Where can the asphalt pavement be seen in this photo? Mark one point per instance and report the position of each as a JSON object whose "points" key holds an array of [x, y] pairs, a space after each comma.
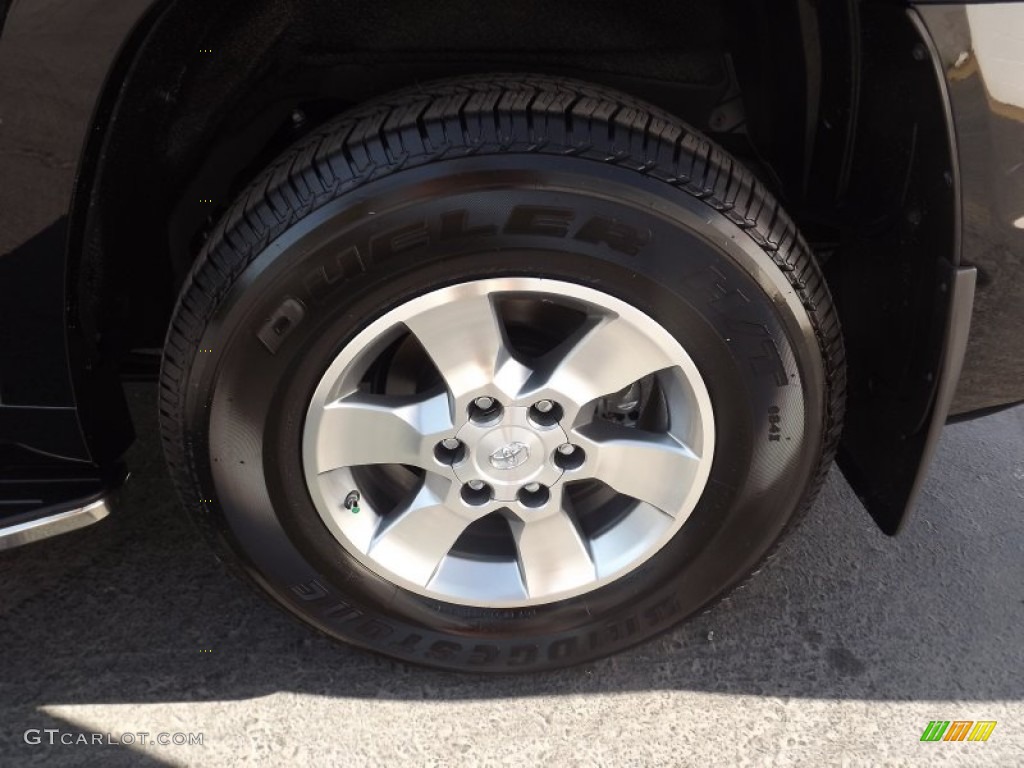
{"points": [[839, 652]]}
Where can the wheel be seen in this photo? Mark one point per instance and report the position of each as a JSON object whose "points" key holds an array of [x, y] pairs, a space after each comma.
{"points": [[501, 373]]}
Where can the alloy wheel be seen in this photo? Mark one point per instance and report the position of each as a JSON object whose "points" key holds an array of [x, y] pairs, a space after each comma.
{"points": [[508, 442]]}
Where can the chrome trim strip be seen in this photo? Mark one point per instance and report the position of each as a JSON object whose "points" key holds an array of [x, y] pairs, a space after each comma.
{"points": [[53, 525]]}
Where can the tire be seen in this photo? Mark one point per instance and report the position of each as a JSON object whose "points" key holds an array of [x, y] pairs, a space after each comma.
{"points": [[562, 203]]}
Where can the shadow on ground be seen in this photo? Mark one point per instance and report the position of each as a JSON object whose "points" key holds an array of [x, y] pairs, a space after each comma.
{"points": [[121, 612]]}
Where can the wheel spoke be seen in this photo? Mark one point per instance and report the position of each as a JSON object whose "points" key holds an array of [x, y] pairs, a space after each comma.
{"points": [[417, 538], [467, 343], [603, 357], [378, 429], [658, 469], [553, 555]]}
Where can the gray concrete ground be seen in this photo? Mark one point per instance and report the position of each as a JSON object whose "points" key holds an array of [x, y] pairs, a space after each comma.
{"points": [[838, 653]]}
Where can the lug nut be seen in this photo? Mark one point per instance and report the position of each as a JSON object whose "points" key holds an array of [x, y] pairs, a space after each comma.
{"points": [[476, 492], [450, 451], [534, 495], [545, 413], [485, 410], [569, 456]]}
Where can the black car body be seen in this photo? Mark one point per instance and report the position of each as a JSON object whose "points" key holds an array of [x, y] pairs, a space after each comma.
{"points": [[890, 131]]}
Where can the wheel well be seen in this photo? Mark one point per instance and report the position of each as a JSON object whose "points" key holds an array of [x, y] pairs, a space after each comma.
{"points": [[209, 95]]}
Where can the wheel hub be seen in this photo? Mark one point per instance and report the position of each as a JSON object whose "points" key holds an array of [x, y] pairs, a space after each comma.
{"points": [[510, 453]]}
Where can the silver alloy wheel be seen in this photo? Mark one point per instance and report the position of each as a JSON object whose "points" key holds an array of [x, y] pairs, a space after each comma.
{"points": [[512, 435]]}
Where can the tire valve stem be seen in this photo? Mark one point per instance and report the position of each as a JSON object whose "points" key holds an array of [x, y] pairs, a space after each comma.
{"points": [[352, 502]]}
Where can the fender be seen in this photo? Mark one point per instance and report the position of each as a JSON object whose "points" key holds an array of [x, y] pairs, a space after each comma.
{"points": [[62, 414]]}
